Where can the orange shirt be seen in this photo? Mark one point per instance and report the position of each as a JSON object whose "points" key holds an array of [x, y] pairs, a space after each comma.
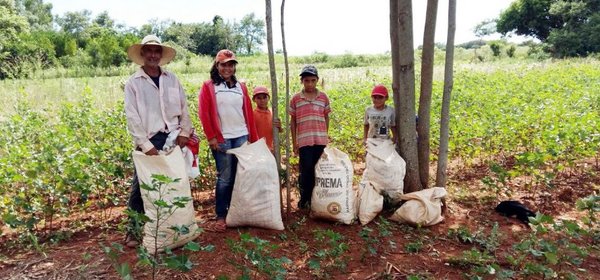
{"points": [[264, 125]]}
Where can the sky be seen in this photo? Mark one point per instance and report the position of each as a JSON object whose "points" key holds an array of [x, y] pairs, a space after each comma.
{"points": [[328, 26]]}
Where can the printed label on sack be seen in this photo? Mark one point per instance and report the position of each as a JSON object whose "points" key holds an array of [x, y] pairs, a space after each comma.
{"points": [[325, 193], [334, 208], [329, 182]]}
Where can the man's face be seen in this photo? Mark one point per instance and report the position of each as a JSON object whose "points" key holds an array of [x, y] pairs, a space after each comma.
{"points": [[152, 55]]}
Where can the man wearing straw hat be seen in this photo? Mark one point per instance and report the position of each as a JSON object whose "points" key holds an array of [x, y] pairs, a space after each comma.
{"points": [[155, 105]]}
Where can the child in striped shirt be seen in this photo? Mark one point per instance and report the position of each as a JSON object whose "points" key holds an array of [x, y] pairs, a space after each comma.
{"points": [[309, 110]]}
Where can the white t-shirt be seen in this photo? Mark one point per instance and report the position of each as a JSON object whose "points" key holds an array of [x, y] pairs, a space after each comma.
{"points": [[229, 108], [380, 122]]}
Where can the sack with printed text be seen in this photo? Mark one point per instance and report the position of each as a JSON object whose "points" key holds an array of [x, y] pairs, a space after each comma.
{"points": [[333, 197]]}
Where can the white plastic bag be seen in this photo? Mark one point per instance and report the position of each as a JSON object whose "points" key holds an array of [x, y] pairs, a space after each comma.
{"points": [[333, 196], [423, 208], [385, 168], [192, 166], [255, 200], [170, 142], [172, 165], [370, 202]]}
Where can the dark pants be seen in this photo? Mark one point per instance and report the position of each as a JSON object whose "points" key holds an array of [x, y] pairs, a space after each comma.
{"points": [[135, 202], [309, 156]]}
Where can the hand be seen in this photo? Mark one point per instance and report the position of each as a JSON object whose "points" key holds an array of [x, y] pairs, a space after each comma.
{"points": [[295, 150], [277, 124], [181, 141], [213, 144], [152, 152]]}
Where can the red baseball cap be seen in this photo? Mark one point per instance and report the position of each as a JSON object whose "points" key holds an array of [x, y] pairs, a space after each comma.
{"points": [[380, 90], [225, 56], [260, 90]]}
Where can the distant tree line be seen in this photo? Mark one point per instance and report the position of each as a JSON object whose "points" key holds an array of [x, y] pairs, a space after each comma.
{"points": [[31, 38]]}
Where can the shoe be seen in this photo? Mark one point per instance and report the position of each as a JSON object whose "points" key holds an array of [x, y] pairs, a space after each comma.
{"points": [[131, 241]]}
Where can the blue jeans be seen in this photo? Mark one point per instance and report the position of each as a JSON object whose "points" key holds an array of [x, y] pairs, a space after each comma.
{"points": [[226, 169]]}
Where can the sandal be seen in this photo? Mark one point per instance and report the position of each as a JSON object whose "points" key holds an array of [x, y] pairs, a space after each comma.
{"points": [[131, 241], [217, 226]]}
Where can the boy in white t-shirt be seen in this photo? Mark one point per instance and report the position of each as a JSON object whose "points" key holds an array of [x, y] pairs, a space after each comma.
{"points": [[380, 119]]}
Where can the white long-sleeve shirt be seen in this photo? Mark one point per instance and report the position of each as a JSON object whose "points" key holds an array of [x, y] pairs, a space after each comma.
{"points": [[151, 109]]}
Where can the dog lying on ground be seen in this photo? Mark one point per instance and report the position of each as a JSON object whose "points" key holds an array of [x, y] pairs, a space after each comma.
{"points": [[511, 208]]}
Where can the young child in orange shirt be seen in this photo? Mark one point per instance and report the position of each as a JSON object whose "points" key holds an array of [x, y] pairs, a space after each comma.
{"points": [[263, 117]]}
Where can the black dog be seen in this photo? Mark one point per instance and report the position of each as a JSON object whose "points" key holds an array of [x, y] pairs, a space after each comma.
{"points": [[511, 208]]}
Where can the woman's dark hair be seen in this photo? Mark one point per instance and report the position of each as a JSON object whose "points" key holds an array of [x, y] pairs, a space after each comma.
{"points": [[217, 79]]}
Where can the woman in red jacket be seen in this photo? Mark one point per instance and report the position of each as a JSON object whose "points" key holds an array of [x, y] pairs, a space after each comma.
{"points": [[225, 112]]}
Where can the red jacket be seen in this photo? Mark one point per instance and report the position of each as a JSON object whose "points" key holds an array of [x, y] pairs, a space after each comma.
{"points": [[207, 110]]}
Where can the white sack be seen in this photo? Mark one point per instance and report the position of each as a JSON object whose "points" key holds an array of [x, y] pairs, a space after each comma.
{"points": [[172, 165], [333, 196], [385, 168], [423, 208], [370, 202], [255, 200]]}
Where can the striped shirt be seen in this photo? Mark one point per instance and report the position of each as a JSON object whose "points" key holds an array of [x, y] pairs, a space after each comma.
{"points": [[311, 124]]}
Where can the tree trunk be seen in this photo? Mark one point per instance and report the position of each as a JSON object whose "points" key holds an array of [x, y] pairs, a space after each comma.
{"points": [[273, 74], [403, 86], [441, 175], [287, 115], [274, 99], [426, 86]]}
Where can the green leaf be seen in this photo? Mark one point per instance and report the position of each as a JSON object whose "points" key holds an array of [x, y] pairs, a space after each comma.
{"points": [[551, 257], [124, 271], [161, 203], [147, 187], [192, 246], [314, 264], [208, 248]]}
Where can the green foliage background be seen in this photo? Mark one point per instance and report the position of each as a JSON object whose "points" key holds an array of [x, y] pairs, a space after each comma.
{"points": [[65, 147]]}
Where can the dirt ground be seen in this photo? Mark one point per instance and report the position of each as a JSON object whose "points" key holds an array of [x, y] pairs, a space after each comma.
{"points": [[424, 252]]}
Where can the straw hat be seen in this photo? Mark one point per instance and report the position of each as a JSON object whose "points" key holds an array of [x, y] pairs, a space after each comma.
{"points": [[135, 51]]}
